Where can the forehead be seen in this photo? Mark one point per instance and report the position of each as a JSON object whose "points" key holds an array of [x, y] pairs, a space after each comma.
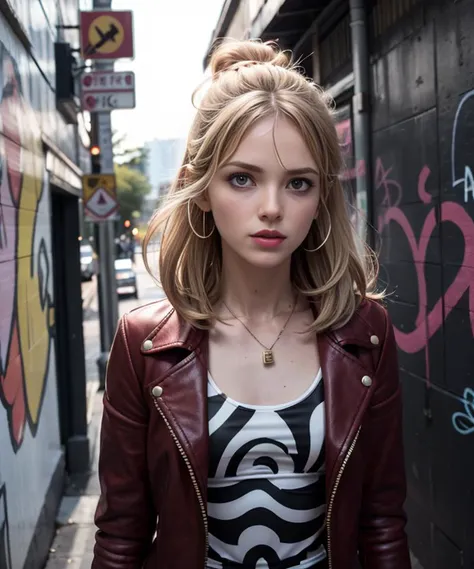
{"points": [[269, 139]]}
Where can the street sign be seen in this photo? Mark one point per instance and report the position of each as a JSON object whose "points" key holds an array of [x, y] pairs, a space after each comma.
{"points": [[108, 91], [106, 34], [100, 81], [111, 101], [99, 193]]}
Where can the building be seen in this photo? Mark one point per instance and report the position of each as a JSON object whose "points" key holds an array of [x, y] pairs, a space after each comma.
{"points": [[164, 159], [402, 76], [43, 428]]}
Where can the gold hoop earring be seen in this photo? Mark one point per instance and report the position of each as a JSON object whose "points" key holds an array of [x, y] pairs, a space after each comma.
{"points": [[203, 224], [326, 238]]}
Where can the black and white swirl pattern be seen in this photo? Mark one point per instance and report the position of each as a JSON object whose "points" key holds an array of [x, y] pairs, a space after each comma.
{"points": [[266, 489]]}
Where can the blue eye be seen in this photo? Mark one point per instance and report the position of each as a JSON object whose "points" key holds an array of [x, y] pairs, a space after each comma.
{"points": [[300, 184], [240, 180]]}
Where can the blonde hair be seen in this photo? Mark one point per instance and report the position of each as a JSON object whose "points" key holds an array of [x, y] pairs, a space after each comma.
{"points": [[252, 80]]}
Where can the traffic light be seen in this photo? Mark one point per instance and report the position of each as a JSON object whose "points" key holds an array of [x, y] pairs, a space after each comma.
{"points": [[95, 158], [127, 223]]}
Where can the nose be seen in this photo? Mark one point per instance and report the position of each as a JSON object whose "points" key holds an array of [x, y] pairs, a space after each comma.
{"points": [[271, 207]]}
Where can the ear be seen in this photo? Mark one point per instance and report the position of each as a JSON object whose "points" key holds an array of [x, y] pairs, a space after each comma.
{"points": [[203, 202]]}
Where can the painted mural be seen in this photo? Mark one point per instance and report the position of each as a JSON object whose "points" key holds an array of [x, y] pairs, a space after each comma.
{"points": [[29, 438], [26, 310]]}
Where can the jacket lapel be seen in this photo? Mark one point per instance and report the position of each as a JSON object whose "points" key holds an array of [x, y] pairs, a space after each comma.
{"points": [[184, 384], [346, 394]]}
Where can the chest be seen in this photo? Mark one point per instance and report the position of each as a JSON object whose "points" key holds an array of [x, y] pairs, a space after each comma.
{"points": [[237, 367], [273, 441]]}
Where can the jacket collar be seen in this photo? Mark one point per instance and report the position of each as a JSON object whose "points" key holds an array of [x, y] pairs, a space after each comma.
{"points": [[171, 332], [174, 332]]}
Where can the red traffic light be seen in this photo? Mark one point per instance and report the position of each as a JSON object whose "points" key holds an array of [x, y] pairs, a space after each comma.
{"points": [[127, 223], [95, 150]]}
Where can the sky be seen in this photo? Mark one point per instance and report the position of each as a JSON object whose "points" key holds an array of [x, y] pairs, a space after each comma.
{"points": [[171, 38]]}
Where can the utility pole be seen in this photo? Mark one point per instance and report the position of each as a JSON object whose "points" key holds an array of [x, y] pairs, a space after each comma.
{"points": [[104, 231], [361, 112]]}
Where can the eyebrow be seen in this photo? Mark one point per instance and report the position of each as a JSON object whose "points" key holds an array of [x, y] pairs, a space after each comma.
{"points": [[258, 170]]}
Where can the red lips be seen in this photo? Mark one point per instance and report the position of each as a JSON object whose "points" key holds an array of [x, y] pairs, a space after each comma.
{"points": [[269, 234]]}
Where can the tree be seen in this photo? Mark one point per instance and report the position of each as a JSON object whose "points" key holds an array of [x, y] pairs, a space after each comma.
{"points": [[135, 158], [132, 188]]}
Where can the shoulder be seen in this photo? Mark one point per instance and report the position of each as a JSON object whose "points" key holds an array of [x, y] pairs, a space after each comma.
{"points": [[373, 314], [368, 326], [148, 319], [157, 327]]}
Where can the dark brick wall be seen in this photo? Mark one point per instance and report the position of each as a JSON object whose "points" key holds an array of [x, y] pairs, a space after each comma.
{"points": [[423, 148]]}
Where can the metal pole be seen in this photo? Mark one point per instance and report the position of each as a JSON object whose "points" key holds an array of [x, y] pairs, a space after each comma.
{"points": [[108, 301], [361, 112]]}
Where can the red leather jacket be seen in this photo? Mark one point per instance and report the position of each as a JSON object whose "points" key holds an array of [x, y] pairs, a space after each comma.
{"points": [[154, 445]]}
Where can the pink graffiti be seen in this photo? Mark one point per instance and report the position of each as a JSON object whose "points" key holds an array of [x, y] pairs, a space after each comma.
{"points": [[382, 181], [428, 323]]}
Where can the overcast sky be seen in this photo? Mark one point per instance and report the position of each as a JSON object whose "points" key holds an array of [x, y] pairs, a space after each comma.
{"points": [[171, 38]]}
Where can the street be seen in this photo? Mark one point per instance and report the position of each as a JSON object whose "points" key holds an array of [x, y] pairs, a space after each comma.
{"points": [[148, 291]]}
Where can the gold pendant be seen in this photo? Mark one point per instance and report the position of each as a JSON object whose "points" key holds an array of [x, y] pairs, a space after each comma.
{"points": [[268, 358]]}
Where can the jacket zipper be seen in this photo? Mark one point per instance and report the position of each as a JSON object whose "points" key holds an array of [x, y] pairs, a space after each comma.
{"points": [[187, 462], [333, 495]]}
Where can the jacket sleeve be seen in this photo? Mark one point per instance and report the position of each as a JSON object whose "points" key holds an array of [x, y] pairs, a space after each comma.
{"points": [[382, 537], [125, 517]]}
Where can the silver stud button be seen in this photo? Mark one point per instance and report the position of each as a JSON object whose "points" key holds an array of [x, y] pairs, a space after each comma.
{"points": [[375, 340], [147, 345], [367, 381], [157, 391]]}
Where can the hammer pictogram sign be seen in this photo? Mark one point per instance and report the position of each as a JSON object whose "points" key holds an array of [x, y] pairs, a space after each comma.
{"points": [[110, 35], [106, 34]]}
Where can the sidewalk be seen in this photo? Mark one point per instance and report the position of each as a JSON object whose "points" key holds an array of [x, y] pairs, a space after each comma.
{"points": [[74, 542]]}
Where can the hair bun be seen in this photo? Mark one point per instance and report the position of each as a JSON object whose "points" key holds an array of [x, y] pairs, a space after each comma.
{"points": [[235, 54]]}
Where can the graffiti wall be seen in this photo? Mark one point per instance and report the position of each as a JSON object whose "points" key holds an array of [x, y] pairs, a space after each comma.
{"points": [[424, 204], [29, 433]]}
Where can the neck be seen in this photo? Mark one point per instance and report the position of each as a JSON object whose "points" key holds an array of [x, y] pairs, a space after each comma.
{"points": [[256, 293]]}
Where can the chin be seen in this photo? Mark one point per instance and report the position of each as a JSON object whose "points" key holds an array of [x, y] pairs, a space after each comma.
{"points": [[267, 260]]}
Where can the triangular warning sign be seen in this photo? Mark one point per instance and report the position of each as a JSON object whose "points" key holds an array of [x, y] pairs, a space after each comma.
{"points": [[101, 203]]}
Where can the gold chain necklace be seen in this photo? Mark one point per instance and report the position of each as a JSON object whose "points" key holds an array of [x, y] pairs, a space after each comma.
{"points": [[267, 355]]}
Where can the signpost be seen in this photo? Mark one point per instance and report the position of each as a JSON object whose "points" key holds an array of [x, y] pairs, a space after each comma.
{"points": [[106, 34], [104, 137]]}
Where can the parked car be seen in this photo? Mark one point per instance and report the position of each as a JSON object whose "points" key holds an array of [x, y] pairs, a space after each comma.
{"points": [[87, 262], [126, 278]]}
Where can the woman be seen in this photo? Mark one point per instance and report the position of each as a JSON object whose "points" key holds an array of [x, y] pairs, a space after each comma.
{"points": [[252, 419]]}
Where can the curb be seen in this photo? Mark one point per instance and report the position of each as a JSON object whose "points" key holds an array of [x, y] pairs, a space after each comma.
{"points": [[92, 389], [87, 300]]}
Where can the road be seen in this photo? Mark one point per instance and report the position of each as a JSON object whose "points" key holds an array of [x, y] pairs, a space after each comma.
{"points": [[148, 291]]}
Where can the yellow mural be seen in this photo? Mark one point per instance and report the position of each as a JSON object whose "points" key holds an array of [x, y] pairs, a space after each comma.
{"points": [[26, 310]]}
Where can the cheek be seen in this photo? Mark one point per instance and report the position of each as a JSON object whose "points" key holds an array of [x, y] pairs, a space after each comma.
{"points": [[228, 208], [303, 218]]}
